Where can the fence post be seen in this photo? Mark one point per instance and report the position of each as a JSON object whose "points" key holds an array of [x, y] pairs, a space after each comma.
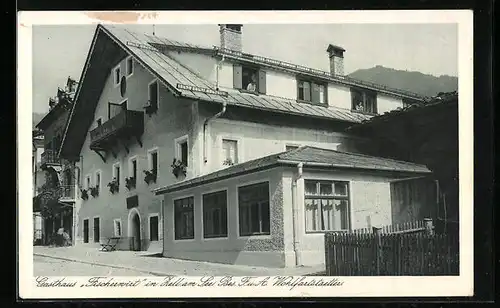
{"points": [[378, 248], [429, 228]]}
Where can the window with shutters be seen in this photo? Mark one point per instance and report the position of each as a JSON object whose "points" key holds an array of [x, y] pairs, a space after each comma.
{"points": [[229, 152], [184, 218], [249, 79], [117, 227], [364, 101], [130, 66], [311, 91], [326, 205], [215, 214], [116, 75]]}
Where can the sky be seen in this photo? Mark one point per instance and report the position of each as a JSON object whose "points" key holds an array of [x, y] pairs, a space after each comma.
{"points": [[60, 51]]}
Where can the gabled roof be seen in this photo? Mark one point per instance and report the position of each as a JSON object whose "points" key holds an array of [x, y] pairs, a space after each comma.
{"points": [[309, 157], [112, 41]]}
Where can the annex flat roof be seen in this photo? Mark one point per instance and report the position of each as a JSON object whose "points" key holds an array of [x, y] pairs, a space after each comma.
{"points": [[309, 157]]}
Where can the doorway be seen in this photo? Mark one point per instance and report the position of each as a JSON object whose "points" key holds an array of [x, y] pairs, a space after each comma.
{"points": [[134, 229]]}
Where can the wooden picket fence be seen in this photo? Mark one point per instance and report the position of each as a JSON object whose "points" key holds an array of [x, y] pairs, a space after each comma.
{"points": [[392, 251]]}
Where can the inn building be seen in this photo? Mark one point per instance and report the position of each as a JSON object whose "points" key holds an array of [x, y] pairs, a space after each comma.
{"points": [[214, 154]]}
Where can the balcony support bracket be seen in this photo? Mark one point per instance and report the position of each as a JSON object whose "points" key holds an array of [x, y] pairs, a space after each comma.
{"points": [[113, 152], [103, 157], [126, 148]]}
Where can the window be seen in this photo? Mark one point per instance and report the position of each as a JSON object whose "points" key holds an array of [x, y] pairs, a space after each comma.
{"points": [[98, 180], [253, 201], [230, 152], [215, 214], [311, 91], [154, 228], [130, 66], [88, 182], [117, 227], [182, 150], [116, 173], [133, 168], [364, 101], [117, 75], [184, 218], [153, 161], [153, 94], [251, 79], [326, 205], [97, 230], [85, 230]]}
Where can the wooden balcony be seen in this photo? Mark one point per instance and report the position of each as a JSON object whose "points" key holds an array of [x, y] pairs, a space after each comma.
{"points": [[122, 127], [50, 157]]}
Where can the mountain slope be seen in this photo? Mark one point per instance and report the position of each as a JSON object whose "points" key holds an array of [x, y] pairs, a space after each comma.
{"points": [[417, 82]]}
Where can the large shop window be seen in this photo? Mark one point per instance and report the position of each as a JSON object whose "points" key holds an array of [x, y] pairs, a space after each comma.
{"points": [[184, 218], [215, 214], [254, 218], [326, 205]]}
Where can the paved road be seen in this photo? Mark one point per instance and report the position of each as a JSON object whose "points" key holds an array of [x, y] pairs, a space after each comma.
{"points": [[43, 266]]}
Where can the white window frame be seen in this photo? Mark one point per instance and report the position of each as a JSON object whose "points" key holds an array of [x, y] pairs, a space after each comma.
{"points": [[113, 171], [157, 92], [149, 226], [100, 179], [115, 229], [130, 166], [116, 84], [178, 151], [150, 160], [100, 229], [126, 66], [88, 183], [263, 236], [239, 148], [350, 211]]}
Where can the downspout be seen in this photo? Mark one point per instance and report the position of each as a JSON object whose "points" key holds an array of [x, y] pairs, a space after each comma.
{"points": [[295, 215], [205, 124]]}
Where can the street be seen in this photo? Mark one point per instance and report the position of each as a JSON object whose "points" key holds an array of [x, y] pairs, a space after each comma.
{"points": [[43, 266]]}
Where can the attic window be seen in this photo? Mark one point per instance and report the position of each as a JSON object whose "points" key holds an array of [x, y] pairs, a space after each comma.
{"points": [[234, 27], [310, 91], [249, 79], [364, 101]]}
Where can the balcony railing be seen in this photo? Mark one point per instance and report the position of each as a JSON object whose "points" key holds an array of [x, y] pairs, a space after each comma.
{"points": [[50, 157], [126, 123], [67, 192]]}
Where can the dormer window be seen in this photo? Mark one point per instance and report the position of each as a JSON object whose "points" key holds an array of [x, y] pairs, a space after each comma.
{"points": [[311, 91], [249, 79], [364, 101]]}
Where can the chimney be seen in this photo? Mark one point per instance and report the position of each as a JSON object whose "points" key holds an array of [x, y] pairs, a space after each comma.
{"points": [[230, 36], [336, 55]]}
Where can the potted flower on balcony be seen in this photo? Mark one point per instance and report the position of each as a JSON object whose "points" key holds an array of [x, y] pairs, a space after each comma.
{"points": [[178, 168], [130, 182], [84, 194], [94, 191], [150, 176], [228, 162], [113, 186]]}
